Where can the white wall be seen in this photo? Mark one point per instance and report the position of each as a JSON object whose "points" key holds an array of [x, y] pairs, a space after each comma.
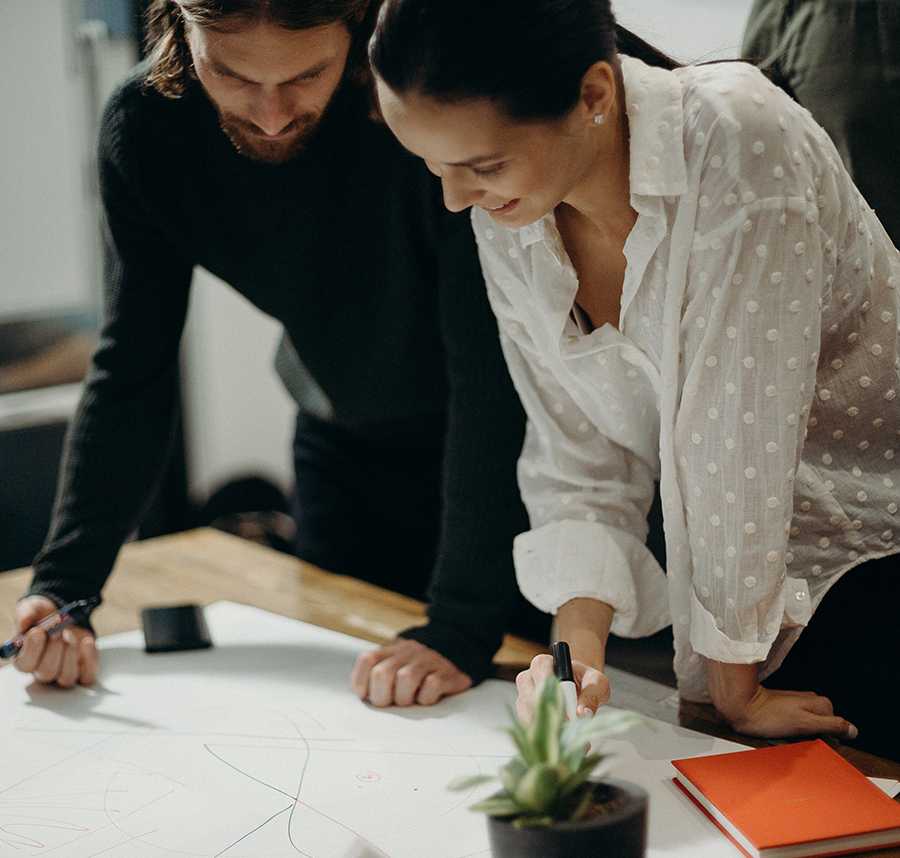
{"points": [[47, 224], [238, 417]]}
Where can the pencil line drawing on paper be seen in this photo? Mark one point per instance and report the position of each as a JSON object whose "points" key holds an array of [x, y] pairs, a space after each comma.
{"points": [[174, 759]]}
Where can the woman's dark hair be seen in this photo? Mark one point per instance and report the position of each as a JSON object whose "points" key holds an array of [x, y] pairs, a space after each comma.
{"points": [[169, 56], [528, 56]]}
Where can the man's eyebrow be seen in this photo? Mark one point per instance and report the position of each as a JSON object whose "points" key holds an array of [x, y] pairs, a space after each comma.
{"points": [[480, 159], [221, 68]]}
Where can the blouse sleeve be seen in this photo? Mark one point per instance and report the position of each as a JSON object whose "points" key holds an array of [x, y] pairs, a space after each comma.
{"points": [[750, 333], [587, 497]]}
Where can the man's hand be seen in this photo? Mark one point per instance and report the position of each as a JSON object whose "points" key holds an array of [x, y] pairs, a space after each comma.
{"points": [[591, 682], [406, 672], [68, 658], [756, 711]]}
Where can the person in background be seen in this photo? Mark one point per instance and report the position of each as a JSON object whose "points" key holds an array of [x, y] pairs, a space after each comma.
{"points": [[841, 60], [246, 144], [689, 288]]}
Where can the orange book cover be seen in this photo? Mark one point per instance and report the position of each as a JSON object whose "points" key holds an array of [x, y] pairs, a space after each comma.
{"points": [[791, 800]]}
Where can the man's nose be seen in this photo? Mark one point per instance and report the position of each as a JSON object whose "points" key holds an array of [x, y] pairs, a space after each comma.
{"points": [[273, 112]]}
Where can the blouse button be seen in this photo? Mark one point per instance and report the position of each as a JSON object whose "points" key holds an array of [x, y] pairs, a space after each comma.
{"points": [[772, 557], [772, 335], [731, 551], [792, 420], [806, 506], [772, 503], [862, 497], [794, 306], [749, 362], [749, 582], [750, 472], [729, 443], [731, 332], [489, 233], [752, 306], [886, 316], [793, 363], [892, 508], [771, 447], [865, 381], [799, 595], [715, 521], [712, 361], [730, 497], [759, 147], [697, 438], [827, 459], [712, 467], [817, 570], [513, 253], [762, 251], [877, 350], [837, 363], [730, 199], [749, 417], [799, 248], [824, 542], [778, 172], [776, 278]]}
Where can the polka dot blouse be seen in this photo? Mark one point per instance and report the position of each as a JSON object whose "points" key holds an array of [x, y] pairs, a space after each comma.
{"points": [[754, 374]]}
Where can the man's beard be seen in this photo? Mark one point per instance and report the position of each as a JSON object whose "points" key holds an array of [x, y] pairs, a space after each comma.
{"points": [[247, 139]]}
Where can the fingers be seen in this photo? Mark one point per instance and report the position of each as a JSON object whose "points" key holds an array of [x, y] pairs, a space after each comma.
{"points": [[49, 666], [88, 660], [69, 667], [440, 685], [541, 667], [32, 610], [525, 699], [32, 651], [359, 678], [594, 692], [406, 673]]}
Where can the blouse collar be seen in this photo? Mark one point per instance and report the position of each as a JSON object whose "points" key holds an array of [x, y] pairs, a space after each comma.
{"points": [[657, 169]]}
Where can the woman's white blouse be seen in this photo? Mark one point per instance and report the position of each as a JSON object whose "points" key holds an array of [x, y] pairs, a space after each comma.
{"points": [[754, 373]]}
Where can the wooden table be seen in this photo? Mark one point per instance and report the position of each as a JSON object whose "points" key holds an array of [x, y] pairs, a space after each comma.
{"points": [[207, 566]]}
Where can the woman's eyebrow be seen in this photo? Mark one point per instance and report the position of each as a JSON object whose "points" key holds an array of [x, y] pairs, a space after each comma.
{"points": [[480, 159]]}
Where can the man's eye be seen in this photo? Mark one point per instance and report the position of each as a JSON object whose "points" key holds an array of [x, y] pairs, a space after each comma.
{"points": [[488, 171]]}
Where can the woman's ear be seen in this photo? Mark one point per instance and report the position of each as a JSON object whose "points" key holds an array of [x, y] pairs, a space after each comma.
{"points": [[598, 92]]}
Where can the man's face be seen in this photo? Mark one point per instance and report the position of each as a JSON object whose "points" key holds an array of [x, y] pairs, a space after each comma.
{"points": [[270, 85]]}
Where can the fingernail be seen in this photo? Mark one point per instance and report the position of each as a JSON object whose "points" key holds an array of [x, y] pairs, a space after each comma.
{"points": [[852, 732]]}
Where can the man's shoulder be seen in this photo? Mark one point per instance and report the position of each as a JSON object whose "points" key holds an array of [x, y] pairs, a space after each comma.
{"points": [[138, 120]]}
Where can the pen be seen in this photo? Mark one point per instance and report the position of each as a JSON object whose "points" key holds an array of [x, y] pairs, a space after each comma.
{"points": [[562, 667], [52, 624]]}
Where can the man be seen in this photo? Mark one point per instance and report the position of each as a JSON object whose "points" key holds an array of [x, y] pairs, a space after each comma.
{"points": [[247, 145], [841, 60]]}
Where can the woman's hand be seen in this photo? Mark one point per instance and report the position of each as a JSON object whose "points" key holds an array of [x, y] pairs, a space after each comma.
{"points": [[590, 682], [756, 711]]}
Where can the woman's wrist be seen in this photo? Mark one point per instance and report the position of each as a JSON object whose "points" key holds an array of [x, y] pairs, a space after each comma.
{"points": [[584, 624], [732, 686]]}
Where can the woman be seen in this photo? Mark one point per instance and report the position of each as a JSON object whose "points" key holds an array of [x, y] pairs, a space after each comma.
{"points": [[689, 289]]}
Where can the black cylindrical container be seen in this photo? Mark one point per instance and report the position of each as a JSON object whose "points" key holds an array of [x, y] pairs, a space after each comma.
{"points": [[621, 833]]}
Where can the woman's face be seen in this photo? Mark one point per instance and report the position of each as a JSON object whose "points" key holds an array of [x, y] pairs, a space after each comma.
{"points": [[515, 171]]}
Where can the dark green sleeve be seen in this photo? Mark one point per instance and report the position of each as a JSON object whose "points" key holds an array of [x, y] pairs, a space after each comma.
{"points": [[474, 588], [118, 442]]}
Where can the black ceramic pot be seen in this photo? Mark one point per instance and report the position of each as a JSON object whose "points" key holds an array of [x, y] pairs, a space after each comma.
{"points": [[619, 834]]}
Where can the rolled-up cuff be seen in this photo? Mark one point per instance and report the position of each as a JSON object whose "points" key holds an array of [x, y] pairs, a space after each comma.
{"points": [[708, 640], [568, 560]]}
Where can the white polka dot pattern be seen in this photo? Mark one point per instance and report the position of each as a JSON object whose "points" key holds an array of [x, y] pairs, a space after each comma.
{"points": [[755, 374]]}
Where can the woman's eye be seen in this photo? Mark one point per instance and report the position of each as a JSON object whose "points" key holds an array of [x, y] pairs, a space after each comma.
{"points": [[488, 171]]}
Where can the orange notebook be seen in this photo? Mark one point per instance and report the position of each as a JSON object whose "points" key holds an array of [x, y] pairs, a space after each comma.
{"points": [[788, 801]]}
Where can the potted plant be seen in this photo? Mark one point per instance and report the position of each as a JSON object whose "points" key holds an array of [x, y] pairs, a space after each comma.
{"points": [[548, 806]]}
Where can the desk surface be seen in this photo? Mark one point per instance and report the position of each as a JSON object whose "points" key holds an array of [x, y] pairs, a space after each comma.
{"points": [[207, 565]]}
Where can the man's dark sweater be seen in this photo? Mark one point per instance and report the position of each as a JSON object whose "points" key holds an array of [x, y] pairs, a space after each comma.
{"points": [[379, 290]]}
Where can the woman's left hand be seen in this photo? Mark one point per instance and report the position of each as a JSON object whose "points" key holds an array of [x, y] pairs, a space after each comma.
{"points": [[756, 711]]}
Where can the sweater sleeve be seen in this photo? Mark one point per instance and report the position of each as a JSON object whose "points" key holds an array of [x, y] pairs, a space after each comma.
{"points": [[474, 589], [118, 442]]}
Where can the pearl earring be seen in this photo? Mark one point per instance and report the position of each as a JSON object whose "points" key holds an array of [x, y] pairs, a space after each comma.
{"points": [[599, 119]]}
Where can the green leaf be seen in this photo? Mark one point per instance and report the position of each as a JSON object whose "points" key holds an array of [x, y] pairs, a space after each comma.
{"points": [[583, 806], [538, 789], [499, 804], [606, 722], [523, 745], [468, 781], [512, 773], [577, 778], [544, 733]]}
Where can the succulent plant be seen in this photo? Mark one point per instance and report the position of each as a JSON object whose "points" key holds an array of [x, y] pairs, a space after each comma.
{"points": [[548, 780]]}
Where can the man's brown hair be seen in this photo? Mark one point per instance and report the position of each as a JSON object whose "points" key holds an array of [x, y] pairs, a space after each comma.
{"points": [[171, 68]]}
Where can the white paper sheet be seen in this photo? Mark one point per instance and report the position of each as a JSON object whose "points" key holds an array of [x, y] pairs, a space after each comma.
{"points": [[257, 749]]}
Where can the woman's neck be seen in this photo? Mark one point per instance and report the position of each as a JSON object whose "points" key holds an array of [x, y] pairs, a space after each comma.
{"points": [[603, 195]]}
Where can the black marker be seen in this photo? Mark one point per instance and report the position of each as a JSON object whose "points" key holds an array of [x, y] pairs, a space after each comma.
{"points": [[562, 667], [53, 624]]}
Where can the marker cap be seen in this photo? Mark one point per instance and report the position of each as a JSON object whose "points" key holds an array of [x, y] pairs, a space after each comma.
{"points": [[562, 662]]}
